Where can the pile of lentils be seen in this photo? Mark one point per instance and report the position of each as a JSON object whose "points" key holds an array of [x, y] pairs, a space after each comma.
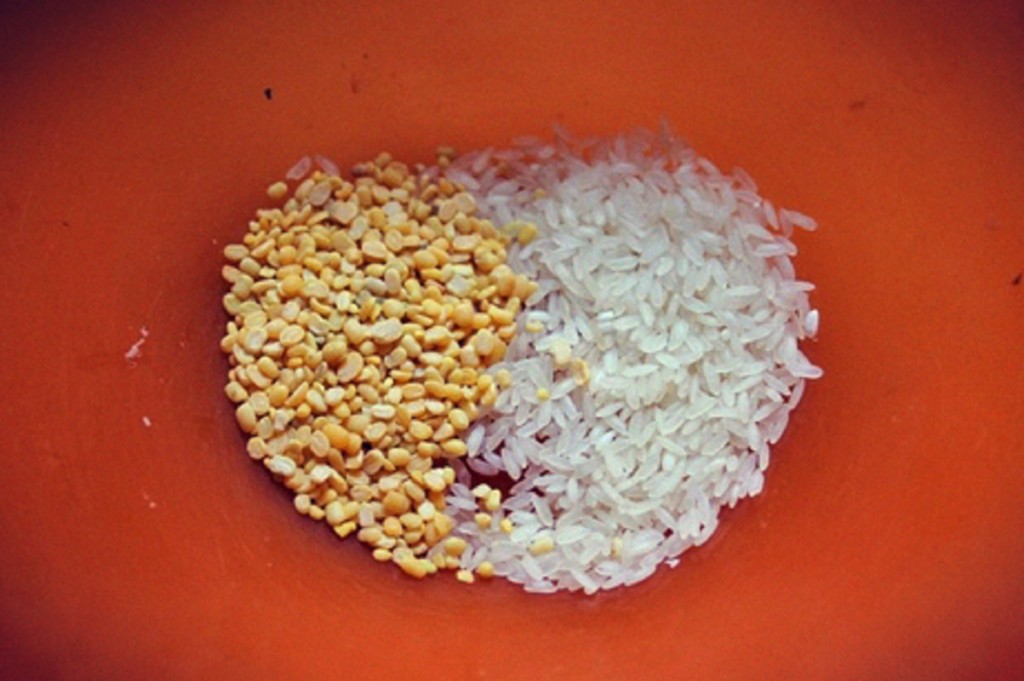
{"points": [[364, 315]]}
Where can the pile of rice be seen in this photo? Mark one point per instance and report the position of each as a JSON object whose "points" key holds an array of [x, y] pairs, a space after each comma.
{"points": [[673, 282]]}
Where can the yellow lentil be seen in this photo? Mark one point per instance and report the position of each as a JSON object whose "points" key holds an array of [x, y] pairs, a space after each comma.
{"points": [[364, 315], [455, 546], [541, 545], [277, 190], [580, 371], [526, 233], [415, 567]]}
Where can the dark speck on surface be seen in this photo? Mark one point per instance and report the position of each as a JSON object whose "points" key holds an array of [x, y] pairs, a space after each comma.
{"points": [[1016, 280], [366, 55], [857, 104], [268, 93], [354, 85]]}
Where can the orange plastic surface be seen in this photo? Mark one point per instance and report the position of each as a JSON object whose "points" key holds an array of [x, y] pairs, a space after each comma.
{"points": [[136, 140]]}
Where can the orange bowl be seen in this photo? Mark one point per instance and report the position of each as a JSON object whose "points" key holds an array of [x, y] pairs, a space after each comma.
{"points": [[137, 140]]}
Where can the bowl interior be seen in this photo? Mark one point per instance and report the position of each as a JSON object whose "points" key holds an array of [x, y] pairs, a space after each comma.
{"points": [[137, 142]]}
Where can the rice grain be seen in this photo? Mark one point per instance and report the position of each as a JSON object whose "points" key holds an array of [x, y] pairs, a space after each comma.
{"points": [[671, 282]]}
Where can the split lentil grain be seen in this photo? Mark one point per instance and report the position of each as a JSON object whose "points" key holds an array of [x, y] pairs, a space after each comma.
{"points": [[541, 545], [364, 314]]}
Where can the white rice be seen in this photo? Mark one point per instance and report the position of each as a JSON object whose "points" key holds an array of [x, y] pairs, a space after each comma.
{"points": [[673, 282], [300, 169]]}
